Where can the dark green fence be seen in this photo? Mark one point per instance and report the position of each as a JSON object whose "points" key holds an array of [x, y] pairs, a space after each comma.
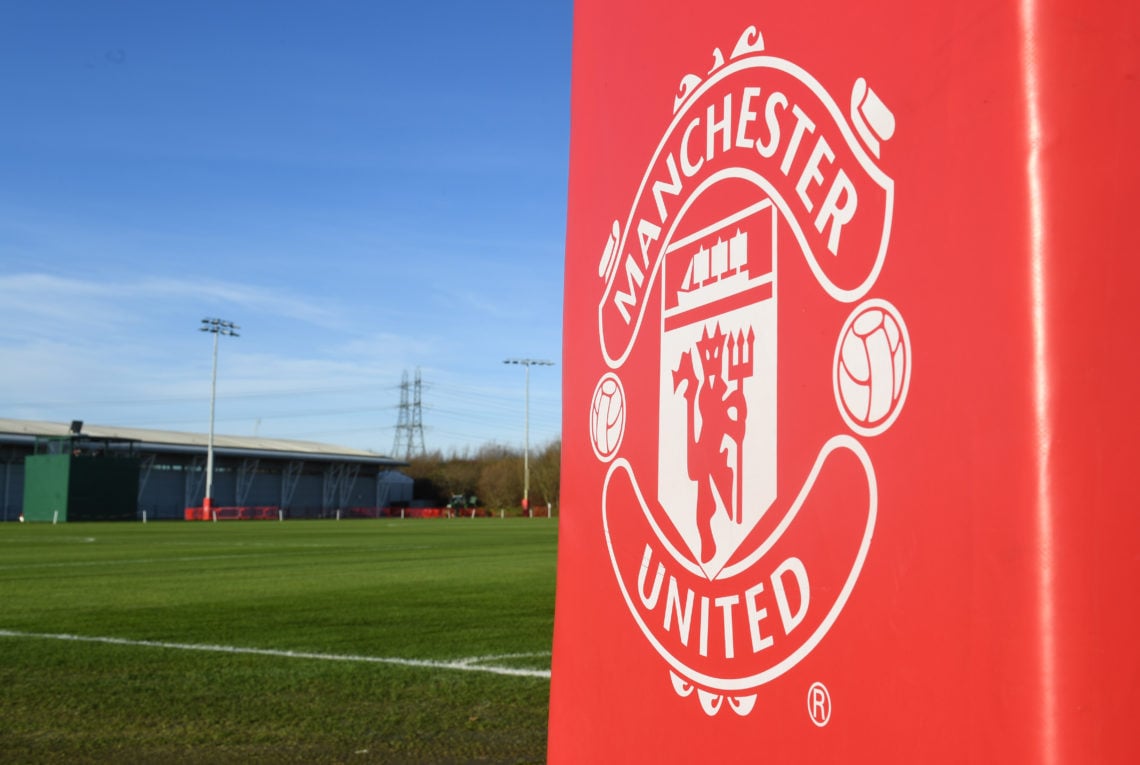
{"points": [[80, 487]]}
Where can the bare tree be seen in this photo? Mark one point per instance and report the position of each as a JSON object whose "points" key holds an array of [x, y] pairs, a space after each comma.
{"points": [[501, 481], [545, 472]]}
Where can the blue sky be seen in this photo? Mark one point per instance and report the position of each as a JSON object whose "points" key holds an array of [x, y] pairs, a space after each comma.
{"points": [[366, 188]]}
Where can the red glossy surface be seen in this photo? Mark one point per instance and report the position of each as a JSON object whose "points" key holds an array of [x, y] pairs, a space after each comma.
{"points": [[992, 617]]}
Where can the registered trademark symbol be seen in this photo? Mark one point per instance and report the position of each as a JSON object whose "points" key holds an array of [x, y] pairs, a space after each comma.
{"points": [[819, 704]]}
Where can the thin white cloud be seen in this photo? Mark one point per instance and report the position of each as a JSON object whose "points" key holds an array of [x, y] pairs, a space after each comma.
{"points": [[254, 299], [30, 299]]}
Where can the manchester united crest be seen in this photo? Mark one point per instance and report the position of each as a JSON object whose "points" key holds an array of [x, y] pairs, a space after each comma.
{"points": [[749, 362]]}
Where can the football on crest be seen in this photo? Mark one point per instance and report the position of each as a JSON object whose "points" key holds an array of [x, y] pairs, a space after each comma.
{"points": [[872, 367], [607, 417]]}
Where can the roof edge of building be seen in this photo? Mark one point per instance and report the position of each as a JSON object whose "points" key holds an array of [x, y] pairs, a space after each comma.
{"points": [[13, 431]]}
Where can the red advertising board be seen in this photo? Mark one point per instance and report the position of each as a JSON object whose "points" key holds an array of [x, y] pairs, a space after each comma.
{"points": [[850, 389]]}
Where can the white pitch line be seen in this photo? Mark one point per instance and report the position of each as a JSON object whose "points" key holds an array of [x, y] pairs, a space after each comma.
{"points": [[464, 665], [500, 656]]}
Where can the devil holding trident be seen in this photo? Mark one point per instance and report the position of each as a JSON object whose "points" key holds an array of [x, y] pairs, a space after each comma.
{"points": [[719, 395]]}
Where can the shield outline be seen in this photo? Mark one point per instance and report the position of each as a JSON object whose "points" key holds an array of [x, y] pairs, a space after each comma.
{"points": [[750, 308]]}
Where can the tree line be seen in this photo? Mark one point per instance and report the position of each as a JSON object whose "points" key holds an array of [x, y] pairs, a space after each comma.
{"points": [[491, 477]]}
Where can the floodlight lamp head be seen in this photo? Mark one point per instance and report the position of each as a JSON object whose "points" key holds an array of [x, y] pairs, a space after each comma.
{"points": [[219, 327]]}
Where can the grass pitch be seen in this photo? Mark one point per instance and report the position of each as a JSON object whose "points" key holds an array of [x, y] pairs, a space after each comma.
{"points": [[461, 601]]}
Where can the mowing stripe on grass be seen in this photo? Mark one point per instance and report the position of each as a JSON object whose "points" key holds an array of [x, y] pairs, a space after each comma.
{"points": [[126, 561], [470, 664], [181, 559]]}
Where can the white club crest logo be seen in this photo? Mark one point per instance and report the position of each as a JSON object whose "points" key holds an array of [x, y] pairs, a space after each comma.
{"points": [[746, 367]]}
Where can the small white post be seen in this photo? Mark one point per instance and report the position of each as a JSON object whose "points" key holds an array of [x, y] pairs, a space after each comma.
{"points": [[529, 513], [401, 513], [502, 514], [54, 517], [280, 515], [144, 516], [215, 514], [338, 514], [472, 513]]}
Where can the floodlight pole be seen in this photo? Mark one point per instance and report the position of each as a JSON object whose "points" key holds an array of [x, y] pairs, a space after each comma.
{"points": [[216, 327], [528, 363]]}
